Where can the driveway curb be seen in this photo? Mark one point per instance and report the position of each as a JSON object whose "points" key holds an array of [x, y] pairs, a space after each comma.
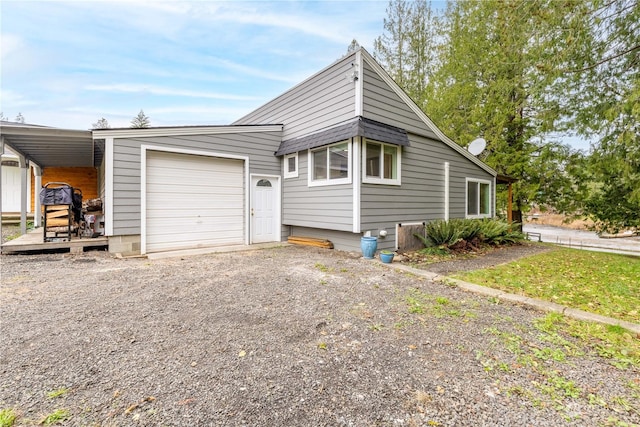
{"points": [[538, 304]]}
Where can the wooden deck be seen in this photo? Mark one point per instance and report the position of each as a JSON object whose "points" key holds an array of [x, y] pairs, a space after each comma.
{"points": [[33, 242]]}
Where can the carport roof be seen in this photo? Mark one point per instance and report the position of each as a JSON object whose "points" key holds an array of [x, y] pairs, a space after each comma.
{"points": [[52, 147]]}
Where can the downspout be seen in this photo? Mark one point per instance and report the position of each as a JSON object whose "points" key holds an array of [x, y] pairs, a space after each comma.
{"points": [[446, 191]]}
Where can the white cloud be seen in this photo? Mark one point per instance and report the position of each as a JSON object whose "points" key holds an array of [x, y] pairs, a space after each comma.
{"points": [[14, 100], [10, 43]]}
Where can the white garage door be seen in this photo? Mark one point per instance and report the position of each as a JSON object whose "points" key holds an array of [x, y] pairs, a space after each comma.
{"points": [[193, 201]]}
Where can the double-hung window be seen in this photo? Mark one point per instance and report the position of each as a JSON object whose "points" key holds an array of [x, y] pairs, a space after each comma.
{"points": [[381, 163], [330, 164], [478, 198]]}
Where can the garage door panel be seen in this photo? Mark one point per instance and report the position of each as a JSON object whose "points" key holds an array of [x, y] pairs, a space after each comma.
{"points": [[193, 201], [177, 237], [198, 179], [179, 203], [168, 222]]}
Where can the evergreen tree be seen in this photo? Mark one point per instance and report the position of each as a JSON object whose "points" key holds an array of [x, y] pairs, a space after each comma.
{"points": [[140, 121], [522, 75], [353, 46], [101, 124], [407, 49], [391, 47]]}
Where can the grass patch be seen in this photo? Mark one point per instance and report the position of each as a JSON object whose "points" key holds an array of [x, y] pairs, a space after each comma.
{"points": [[597, 282], [419, 302], [57, 416], [57, 393], [7, 417]]}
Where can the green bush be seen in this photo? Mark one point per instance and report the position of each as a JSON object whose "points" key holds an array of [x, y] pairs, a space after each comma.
{"points": [[477, 231], [441, 233], [498, 232]]}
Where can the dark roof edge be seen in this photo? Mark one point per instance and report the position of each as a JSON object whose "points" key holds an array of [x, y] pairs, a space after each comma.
{"points": [[358, 126]]}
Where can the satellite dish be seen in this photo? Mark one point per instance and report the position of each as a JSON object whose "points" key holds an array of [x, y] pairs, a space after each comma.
{"points": [[477, 146]]}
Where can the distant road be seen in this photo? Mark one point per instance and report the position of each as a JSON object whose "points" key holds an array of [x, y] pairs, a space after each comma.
{"points": [[580, 239]]}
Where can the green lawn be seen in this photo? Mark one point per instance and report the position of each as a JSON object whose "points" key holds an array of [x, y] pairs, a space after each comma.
{"points": [[598, 282]]}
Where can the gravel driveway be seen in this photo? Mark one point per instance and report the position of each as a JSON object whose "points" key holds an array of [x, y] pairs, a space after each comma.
{"points": [[291, 336]]}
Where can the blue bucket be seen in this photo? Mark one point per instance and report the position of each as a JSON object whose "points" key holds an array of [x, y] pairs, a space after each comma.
{"points": [[368, 246]]}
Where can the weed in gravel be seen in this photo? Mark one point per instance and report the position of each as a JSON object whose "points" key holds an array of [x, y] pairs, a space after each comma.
{"points": [[419, 302], [376, 327], [494, 300], [511, 341], [7, 417], [613, 421], [558, 387], [57, 393], [634, 386], [57, 416], [320, 266], [610, 342]]}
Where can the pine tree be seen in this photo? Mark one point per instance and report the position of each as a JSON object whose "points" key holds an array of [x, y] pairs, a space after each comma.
{"points": [[140, 121], [353, 46], [407, 49], [101, 124]]}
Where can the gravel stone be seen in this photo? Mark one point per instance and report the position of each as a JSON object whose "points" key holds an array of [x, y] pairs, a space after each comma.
{"points": [[292, 336]]}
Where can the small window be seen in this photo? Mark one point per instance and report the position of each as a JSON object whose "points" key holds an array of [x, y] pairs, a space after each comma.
{"points": [[381, 163], [478, 198], [330, 165], [263, 183], [291, 165]]}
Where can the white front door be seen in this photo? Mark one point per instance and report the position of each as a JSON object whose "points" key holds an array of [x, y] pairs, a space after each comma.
{"points": [[265, 207]]}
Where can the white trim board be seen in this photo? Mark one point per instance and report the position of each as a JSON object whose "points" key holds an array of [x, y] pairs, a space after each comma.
{"points": [[182, 131]]}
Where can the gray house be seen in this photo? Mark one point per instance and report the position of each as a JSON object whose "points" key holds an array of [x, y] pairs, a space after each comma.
{"points": [[343, 154]]}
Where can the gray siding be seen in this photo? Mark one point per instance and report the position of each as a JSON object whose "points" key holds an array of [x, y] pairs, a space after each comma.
{"points": [[258, 146], [382, 104], [323, 100], [421, 195], [329, 207]]}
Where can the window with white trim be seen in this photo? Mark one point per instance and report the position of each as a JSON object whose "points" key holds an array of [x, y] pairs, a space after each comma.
{"points": [[329, 165], [291, 165], [381, 163], [478, 198]]}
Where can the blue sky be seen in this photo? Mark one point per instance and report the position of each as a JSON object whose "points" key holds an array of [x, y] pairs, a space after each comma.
{"points": [[67, 64]]}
